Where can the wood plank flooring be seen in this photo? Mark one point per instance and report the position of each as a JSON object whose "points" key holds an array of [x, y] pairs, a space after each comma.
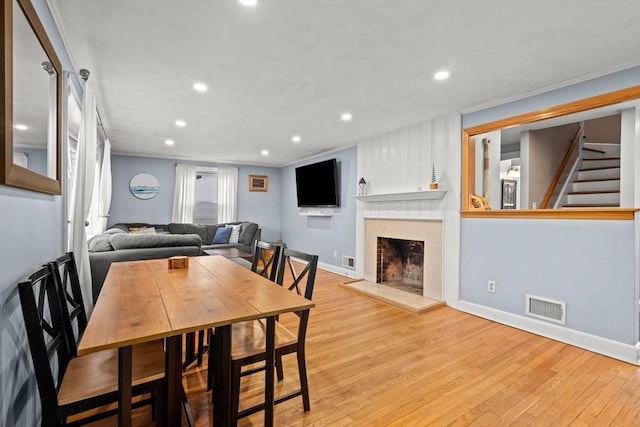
{"points": [[372, 364]]}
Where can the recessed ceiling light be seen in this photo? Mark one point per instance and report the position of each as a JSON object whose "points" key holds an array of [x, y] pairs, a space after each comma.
{"points": [[346, 117], [20, 127], [169, 142], [248, 2], [296, 138], [200, 87], [265, 152], [441, 75], [181, 123]]}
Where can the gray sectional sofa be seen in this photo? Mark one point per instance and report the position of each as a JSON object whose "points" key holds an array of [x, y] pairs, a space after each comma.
{"points": [[138, 241]]}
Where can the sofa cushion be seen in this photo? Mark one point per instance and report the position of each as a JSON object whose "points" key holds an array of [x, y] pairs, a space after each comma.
{"points": [[132, 241], [222, 235], [247, 232], [205, 231], [100, 243]]}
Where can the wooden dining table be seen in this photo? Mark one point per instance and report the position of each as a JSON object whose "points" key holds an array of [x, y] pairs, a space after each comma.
{"points": [[141, 301]]}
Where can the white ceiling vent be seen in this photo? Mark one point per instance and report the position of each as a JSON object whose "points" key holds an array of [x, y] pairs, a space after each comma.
{"points": [[546, 308]]}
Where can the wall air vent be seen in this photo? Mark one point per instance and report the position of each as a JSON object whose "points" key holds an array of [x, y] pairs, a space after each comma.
{"points": [[348, 261], [546, 308]]}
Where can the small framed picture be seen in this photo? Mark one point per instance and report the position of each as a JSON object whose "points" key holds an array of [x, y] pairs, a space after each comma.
{"points": [[258, 182], [509, 193]]}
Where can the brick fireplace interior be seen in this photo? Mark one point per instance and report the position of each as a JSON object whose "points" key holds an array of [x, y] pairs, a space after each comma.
{"points": [[400, 264]]}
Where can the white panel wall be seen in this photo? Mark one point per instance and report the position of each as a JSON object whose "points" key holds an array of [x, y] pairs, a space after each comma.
{"points": [[401, 161]]}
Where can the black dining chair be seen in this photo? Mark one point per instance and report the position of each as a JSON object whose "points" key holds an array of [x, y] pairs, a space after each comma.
{"points": [[68, 384], [296, 271], [72, 305], [265, 262], [266, 257]]}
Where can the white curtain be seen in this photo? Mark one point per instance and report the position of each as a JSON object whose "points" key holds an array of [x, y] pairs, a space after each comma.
{"points": [[52, 140], [184, 196], [105, 187], [81, 192], [227, 195]]}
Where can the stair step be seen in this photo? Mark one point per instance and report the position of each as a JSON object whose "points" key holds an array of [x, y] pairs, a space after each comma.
{"points": [[599, 173], [590, 185], [592, 150], [595, 192], [592, 205], [602, 162], [594, 197]]}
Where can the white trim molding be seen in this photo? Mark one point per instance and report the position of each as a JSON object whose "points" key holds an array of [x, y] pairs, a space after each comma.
{"points": [[625, 352]]}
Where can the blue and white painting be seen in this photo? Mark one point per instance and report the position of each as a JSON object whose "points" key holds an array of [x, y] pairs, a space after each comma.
{"points": [[144, 186]]}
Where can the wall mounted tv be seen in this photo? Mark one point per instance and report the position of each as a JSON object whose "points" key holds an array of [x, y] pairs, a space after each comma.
{"points": [[317, 185]]}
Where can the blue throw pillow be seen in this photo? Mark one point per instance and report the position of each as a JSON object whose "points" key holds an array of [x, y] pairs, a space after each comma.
{"points": [[222, 235]]}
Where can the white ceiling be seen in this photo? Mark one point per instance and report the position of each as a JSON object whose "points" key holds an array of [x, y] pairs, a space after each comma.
{"points": [[291, 67]]}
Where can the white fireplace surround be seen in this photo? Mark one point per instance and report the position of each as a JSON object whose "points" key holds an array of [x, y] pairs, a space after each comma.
{"points": [[428, 231]]}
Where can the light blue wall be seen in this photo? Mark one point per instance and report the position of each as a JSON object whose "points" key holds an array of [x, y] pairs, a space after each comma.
{"points": [[322, 235], [609, 83], [590, 264], [31, 233], [37, 159], [260, 207]]}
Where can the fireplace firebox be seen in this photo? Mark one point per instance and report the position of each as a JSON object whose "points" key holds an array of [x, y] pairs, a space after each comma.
{"points": [[400, 264]]}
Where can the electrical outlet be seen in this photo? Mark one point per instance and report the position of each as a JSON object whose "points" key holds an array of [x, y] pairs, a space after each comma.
{"points": [[491, 286], [335, 253]]}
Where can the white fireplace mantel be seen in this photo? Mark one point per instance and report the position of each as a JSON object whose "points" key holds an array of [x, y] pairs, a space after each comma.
{"points": [[409, 195]]}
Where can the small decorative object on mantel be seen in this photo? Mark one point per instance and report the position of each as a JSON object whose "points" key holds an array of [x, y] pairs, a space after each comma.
{"points": [[177, 262], [434, 184], [362, 184]]}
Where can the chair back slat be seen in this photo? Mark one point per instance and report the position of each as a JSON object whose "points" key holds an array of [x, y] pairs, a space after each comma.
{"points": [[74, 315], [266, 259], [308, 272], [46, 334]]}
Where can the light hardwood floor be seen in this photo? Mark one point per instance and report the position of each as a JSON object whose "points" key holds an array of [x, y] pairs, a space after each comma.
{"points": [[371, 364]]}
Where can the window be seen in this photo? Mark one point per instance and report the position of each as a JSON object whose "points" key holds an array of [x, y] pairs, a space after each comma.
{"points": [[206, 204]]}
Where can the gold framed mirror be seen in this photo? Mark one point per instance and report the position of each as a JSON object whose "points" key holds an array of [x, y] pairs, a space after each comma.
{"points": [[31, 102]]}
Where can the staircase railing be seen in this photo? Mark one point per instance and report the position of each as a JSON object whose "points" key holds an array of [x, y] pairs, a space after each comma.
{"points": [[570, 158]]}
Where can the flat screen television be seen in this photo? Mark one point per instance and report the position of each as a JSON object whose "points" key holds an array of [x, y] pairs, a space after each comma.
{"points": [[317, 185]]}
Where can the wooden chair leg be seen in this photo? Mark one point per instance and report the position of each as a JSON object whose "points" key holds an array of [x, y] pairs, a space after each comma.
{"points": [[159, 405], [210, 362], [304, 385], [201, 346], [236, 372], [279, 369]]}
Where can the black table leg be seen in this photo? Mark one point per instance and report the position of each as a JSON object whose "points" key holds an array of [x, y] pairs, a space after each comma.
{"points": [[269, 374], [173, 372], [124, 385], [222, 376]]}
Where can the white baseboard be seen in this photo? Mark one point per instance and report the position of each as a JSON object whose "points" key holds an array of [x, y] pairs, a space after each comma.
{"points": [[617, 350], [338, 270]]}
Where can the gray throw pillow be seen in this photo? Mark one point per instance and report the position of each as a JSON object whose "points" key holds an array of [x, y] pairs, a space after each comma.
{"points": [[247, 232]]}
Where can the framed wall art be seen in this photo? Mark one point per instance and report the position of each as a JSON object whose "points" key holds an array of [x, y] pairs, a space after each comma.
{"points": [[144, 186], [509, 193], [258, 183]]}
